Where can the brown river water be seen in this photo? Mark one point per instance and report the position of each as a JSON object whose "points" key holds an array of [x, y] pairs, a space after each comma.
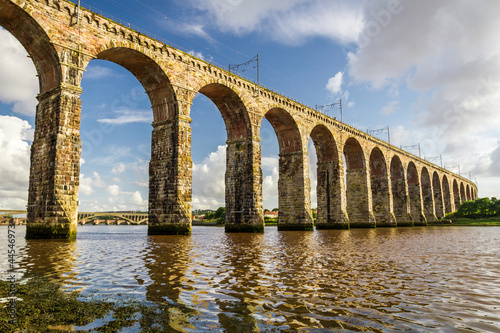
{"points": [[421, 279]]}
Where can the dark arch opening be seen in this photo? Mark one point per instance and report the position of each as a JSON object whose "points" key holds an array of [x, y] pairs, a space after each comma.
{"points": [[456, 194], [358, 207], [328, 189], [381, 200], [438, 195], [427, 195], [446, 195], [399, 193], [467, 191], [414, 192], [462, 192]]}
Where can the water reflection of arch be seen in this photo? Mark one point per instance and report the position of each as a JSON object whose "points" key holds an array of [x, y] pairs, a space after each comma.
{"points": [[242, 274], [52, 260], [167, 261]]}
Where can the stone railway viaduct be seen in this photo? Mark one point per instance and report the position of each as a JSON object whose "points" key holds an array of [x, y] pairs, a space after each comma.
{"points": [[378, 185]]}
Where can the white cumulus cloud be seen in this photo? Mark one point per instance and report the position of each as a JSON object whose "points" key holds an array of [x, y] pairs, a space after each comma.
{"points": [[15, 165], [334, 84], [18, 81], [209, 180], [287, 21]]}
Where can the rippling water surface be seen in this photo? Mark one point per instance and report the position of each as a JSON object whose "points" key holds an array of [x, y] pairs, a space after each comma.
{"points": [[424, 279]]}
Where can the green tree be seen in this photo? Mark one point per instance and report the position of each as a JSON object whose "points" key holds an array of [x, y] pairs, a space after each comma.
{"points": [[220, 213]]}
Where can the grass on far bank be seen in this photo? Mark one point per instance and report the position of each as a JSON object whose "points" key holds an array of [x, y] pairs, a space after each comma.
{"points": [[492, 221]]}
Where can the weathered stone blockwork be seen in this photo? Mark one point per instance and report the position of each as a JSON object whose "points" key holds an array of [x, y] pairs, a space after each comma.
{"points": [[362, 181]]}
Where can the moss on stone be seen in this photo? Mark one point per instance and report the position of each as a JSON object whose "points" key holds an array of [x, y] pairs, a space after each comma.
{"points": [[246, 228], [296, 227], [169, 229], [50, 231]]}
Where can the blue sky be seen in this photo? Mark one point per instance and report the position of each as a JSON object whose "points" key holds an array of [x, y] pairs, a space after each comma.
{"points": [[429, 70]]}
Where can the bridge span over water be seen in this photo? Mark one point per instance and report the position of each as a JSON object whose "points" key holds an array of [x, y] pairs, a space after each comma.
{"points": [[380, 185], [87, 217]]}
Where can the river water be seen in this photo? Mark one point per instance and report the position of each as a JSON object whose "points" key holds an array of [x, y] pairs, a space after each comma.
{"points": [[421, 279]]}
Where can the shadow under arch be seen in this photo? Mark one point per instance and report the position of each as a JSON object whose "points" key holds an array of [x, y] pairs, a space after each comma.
{"points": [[381, 194], [427, 196], [331, 211], [357, 192], [447, 200], [467, 192], [294, 201], [462, 193], [415, 194], [243, 190], [400, 193], [456, 194], [438, 196]]}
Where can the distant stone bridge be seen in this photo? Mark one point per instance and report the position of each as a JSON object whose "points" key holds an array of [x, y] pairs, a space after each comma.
{"points": [[380, 184], [132, 218]]}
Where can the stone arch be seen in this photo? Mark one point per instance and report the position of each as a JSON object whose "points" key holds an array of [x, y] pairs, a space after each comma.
{"points": [[427, 195], [243, 190], [447, 202], [462, 192], [438, 195], [400, 193], [170, 165], [149, 73], [36, 42], [380, 190], [415, 194], [357, 191], [456, 194], [232, 109], [329, 176], [293, 184], [467, 193], [55, 152]]}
